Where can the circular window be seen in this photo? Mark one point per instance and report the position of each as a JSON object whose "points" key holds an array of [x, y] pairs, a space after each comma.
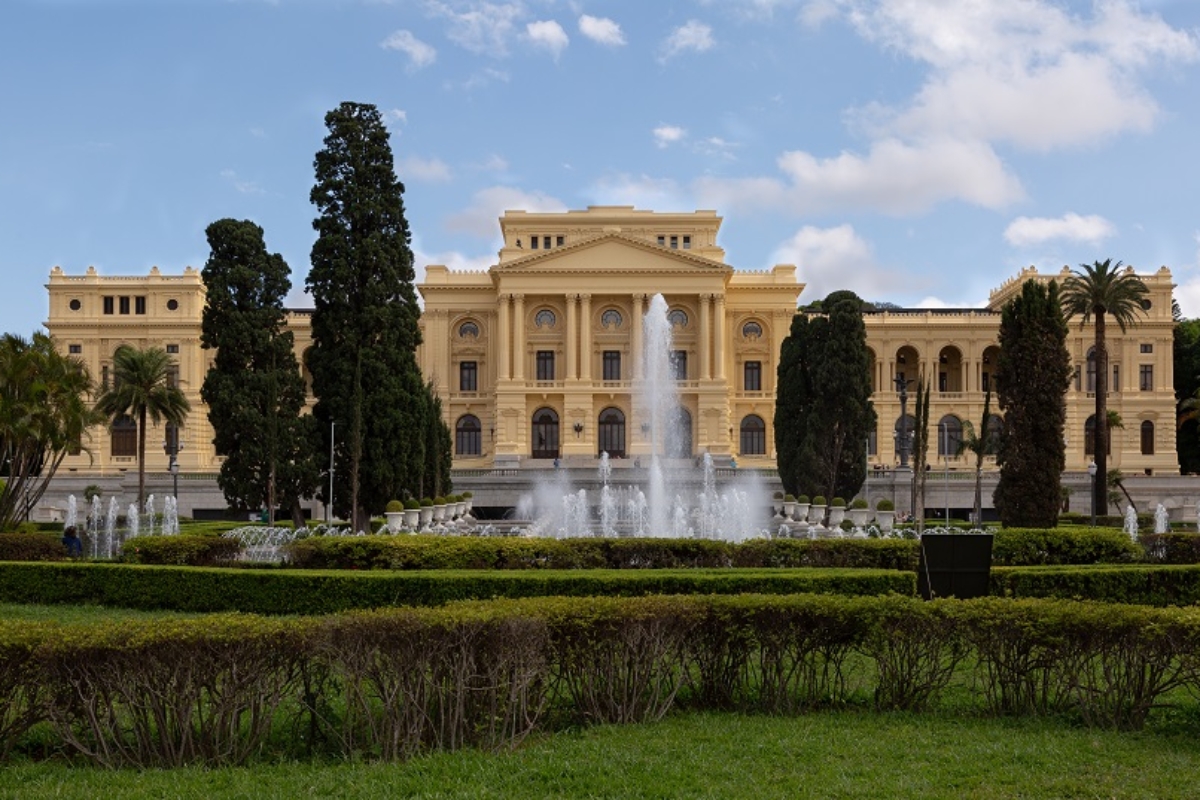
{"points": [[1146, 305], [678, 318], [76, 305], [172, 304], [751, 330], [611, 318], [468, 330], [545, 318]]}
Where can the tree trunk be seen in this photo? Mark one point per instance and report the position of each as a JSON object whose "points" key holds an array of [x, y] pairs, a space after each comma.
{"points": [[141, 460], [979, 492], [1100, 442]]}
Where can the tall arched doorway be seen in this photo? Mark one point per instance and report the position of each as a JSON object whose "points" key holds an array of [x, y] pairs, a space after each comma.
{"points": [[612, 432], [545, 434]]}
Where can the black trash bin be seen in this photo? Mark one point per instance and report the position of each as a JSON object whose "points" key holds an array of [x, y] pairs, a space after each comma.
{"points": [[955, 565]]}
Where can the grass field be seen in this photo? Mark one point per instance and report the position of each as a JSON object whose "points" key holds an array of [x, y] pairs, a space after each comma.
{"points": [[842, 754]]}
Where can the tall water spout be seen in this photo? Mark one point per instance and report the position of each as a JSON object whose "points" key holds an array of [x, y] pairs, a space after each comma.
{"points": [[657, 404]]}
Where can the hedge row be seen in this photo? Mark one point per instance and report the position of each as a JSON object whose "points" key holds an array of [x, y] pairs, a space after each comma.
{"points": [[191, 550], [390, 684], [31, 547], [311, 592], [1171, 585], [1011, 547]]}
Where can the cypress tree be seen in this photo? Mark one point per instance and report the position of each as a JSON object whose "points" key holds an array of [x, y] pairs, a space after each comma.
{"points": [[254, 390], [1032, 377], [823, 410], [365, 318]]}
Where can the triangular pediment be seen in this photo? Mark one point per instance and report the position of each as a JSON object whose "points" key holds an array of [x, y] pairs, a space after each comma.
{"points": [[612, 253]]}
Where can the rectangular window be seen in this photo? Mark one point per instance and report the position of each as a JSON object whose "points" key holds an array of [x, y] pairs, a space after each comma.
{"points": [[1146, 377], [1146, 347], [545, 242], [173, 375], [1116, 384], [752, 376], [74, 349], [108, 304], [559, 241], [679, 365], [662, 241], [545, 365], [687, 243], [173, 349], [139, 304], [468, 377], [104, 378], [612, 365], [533, 242], [123, 305], [674, 242], [1077, 383]]}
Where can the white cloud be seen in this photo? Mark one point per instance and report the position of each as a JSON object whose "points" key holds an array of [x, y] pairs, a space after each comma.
{"points": [[395, 116], [601, 30], [693, 36], [431, 170], [548, 34], [828, 259], [419, 53], [483, 28], [494, 163], [1021, 71], [240, 184], [1026, 231], [1187, 292], [487, 206], [716, 146], [894, 177], [642, 191], [665, 135]]}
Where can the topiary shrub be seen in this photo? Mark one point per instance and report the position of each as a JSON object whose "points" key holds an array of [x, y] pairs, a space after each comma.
{"points": [[394, 505], [802, 498], [427, 502], [885, 505], [838, 502], [819, 500], [789, 498], [411, 505], [859, 502]]}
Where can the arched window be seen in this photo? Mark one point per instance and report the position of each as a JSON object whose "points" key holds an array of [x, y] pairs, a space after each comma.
{"points": [[611, 318], [1089, 437], [1147, 438], [124, 436], [678, 318], [949, 435], [545, 434], [754, 436], [679, 436], [468, 330], [545, 318], [468, 435], [873, 441], [751, 330], [612, 432]]}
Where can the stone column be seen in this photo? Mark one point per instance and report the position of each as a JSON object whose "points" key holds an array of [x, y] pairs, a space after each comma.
{"points": [[705, 337], [502, 333], [572, 337], [585, 338], [519, 355], [719, 339], [636, 322]]}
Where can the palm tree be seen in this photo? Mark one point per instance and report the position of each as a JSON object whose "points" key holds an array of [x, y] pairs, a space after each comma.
{"points": [[1101, 290], [143, 387], [981, 443]]}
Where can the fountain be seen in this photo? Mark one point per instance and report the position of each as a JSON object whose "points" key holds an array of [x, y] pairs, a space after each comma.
{"points": [[1162, 520], [1131, 522], [670, 498]]}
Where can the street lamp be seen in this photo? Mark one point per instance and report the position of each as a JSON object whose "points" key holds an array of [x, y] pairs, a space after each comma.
{"points": [[172, 447], [1092, 474]]}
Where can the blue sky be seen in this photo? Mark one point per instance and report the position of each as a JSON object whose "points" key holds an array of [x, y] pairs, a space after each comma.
{"points": [[916, 151]]}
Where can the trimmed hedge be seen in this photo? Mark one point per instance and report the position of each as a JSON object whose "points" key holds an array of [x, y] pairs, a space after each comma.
{"points": [[312, 592], [32, 547], [1136, 583], [1037, 546], [182, 550], [394, 683]]}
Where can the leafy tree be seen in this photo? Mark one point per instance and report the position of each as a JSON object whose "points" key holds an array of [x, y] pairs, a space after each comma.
{"points": [[823, 411], [980, 444], [1187, 393], [1032, 377], [143, 388], [45, 414], [254, 390], [1101, 290], [438, 447], [920, 451], [365, 318]]}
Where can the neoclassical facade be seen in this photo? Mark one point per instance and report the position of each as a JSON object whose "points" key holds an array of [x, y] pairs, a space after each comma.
{"points": [[537, 358]]}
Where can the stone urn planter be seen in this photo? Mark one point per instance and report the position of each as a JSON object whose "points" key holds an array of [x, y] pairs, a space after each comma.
{"points": [[439, 512], [800, 514], [426, 515], [789, 509], [412, 518], [395, 521], [885, 520], [859, 516], [836, 515], [816, 514]]}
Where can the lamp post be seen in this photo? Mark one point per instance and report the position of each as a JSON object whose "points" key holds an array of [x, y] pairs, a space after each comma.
{"points": [[172, 447], [946, 474], [329, 508], [1092, 475]]}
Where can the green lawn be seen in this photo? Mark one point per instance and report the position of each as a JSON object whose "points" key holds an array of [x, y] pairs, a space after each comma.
{"points": [[73, 614], [845, 755]]}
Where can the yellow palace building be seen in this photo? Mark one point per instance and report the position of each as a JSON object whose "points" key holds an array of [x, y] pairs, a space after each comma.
{"points": [[538, 357]]}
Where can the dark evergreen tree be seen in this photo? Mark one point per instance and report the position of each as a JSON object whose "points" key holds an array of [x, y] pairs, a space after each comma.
{"points": [[1187, 390], [438, 447], [823, 411], [254, 389], [1032, 378], [920, 453], [365, 318]]}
